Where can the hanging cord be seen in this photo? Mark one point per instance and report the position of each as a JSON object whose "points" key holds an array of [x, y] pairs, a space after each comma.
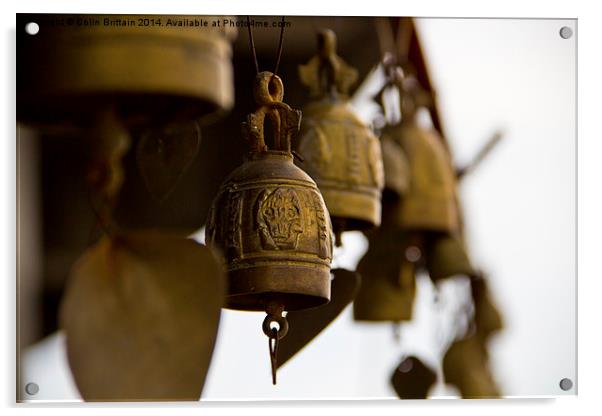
{"points": [[254, 50], [279, 46], [404, 40], [384, 31], [398, 45], [252, 42]]}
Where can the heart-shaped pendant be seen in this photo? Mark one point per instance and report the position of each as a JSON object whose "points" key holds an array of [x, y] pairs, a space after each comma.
{"points": [[141, 314], [307, 324], [164, 156]]}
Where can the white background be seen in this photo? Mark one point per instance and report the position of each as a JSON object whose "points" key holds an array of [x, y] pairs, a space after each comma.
{"points": [[588, 168]]}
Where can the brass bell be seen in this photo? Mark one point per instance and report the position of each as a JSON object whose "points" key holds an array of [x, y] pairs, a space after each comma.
{"points": [[338, 150], [388, 283], [389, 266], [466, 362], [429, 201], [396, 167], [156, 72], [466, 365], [446, 256], [269, 218], [487, 318]]}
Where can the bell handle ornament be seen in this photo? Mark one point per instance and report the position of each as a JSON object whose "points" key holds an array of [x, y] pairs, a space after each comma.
{"points": [[327, 74], [268, 91]]}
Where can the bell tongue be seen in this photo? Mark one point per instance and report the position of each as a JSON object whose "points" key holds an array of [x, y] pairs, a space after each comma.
{"points": [[275, 326]]}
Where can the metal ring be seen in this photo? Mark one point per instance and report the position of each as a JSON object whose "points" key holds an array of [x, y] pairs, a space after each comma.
{"points": [[268, 88], [282, 322]]}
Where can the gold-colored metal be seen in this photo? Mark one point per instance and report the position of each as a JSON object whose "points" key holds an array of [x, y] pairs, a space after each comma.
{"points": [[466, 365], [419, 216], [396, 167], [446, 256], [269, 218], [156, 67], [487, 318], [140, 313], [339, 151], [388, 278], [430, 202]]}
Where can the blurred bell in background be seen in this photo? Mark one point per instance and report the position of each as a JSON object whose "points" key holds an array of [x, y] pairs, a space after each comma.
{"points": [[513, 234]]}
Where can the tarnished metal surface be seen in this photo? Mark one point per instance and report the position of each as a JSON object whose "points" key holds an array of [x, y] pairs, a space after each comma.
{"points": [[420, 216], [141, 313], [430, 201], [155, 72], [446, 256], [487, 318], [306, 325], [339, 151], [388, 278], [396, 167], [466, 365], [269, 218]]}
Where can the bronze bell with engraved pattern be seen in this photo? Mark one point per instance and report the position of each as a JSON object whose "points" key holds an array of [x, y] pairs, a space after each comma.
{"points": [[338, 150], [428, 202], [269, 218]]}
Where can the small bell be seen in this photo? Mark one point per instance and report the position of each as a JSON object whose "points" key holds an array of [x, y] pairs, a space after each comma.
{"points": [[389, 266], [339, 151], [487, 318], [72, 70], [466, 365], [446, 256], [388, 278], [396, 167], [419, 214], [271, 223], [429, 202], [466, 362]]}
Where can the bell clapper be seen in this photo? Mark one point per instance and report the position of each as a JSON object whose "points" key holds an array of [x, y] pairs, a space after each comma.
{"points": [[275, 326]]}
